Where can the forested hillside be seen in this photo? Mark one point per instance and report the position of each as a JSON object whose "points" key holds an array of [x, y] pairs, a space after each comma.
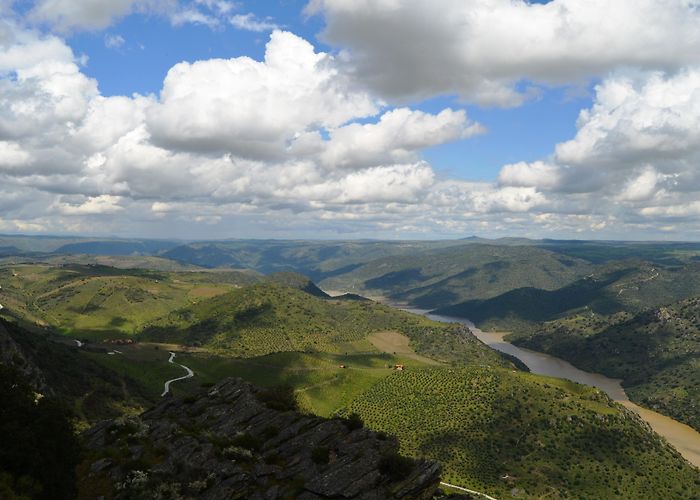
{"points": [[656, 353]]}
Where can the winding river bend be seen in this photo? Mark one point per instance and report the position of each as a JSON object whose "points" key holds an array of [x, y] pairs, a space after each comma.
{"points": [[683, 437]]}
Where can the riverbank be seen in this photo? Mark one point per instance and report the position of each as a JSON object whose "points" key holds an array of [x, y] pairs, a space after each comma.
{"points": [[682, 437]]}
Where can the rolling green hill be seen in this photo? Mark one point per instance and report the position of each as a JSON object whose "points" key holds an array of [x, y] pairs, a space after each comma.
{"points": [[433, 274], [269, 317], [495, 429], [84, 245], [316, 259], [99, 302], [119, 261], [656, 353], [630, 286], [601, 252], [435, 278]]}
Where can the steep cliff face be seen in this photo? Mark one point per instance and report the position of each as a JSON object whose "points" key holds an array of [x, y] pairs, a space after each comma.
{"points": [[239, 441], [12, 354]]}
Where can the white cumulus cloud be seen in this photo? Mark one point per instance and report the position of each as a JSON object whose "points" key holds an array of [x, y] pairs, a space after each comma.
{"points": [[480, 49], [254, 107], [295, 143], [398, 136], [536, 174], [95, 205]]}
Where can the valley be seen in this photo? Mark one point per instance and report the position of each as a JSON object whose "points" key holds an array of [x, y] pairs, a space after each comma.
{"points": [[163, 331], [349, 250]]}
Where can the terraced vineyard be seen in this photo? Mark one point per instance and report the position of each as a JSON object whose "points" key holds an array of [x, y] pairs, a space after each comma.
{"points": [[510, 433]]}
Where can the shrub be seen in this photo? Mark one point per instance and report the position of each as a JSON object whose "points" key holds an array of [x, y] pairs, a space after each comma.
{"points": [[39, 451], [395, 466], [270, 431], [320, 455], [237, 453], [246, 441], [279, 398], [353, 422]]}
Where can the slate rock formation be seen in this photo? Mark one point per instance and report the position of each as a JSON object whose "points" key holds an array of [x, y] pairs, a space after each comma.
{"points": [[235, 440]]}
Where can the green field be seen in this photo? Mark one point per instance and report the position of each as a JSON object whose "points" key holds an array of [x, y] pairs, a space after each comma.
{"points": [[321, 385]]}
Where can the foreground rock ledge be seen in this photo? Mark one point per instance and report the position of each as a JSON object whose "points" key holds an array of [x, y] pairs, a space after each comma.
{"points": [[227, 443]]}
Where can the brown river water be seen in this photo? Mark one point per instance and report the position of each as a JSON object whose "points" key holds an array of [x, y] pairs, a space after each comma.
{"points": [[684, 438]]}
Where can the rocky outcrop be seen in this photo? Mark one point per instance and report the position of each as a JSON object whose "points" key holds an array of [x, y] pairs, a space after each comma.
{"points": [[239, 441]]}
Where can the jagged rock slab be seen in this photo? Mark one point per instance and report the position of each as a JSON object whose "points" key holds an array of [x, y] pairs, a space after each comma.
{"points": [[226, 443]]}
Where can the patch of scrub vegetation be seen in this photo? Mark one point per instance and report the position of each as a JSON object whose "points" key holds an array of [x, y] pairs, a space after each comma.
{"points": [[505, 432], [267, 318], [656, 353]]}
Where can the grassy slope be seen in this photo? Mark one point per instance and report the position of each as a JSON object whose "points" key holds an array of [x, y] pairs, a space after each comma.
{"points": [[321, 386], [656, 353], [482, 422], [99, 302], [506, 432], [272, 334]]}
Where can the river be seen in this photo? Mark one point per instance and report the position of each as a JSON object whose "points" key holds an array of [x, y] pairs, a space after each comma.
{"points": [[683, 437]]}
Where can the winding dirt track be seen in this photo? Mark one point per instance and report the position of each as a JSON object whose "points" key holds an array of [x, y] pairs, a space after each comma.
{"points": [[190, 374]]}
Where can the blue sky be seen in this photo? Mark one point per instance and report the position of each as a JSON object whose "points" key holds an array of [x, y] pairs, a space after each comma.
{"points": [[337, 118], [152, 45]]}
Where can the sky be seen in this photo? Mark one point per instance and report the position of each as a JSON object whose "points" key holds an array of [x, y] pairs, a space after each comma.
{"points": [[339, 119]]}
